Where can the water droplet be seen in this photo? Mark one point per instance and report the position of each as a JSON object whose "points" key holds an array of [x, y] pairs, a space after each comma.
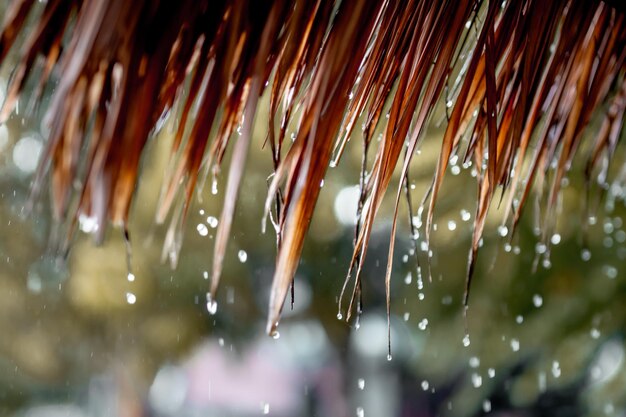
{"points": [[487, 406], [610, 271], [406, 316], [519, 319], [537, 300], [275, 335], [360, 412], [243, 256], [514, 345], [361, 383], [266, 408], [503, 231], [449, 103], [88, 224], [466, 340], [555, 239], [425, 385], [339, 316], [465, 215], [468, 24], [389, 357], [491, 372], [423, 324], [540, 248], [211, 304], [26, 154], [408, 278], [130, 277], [131, 298], [595, 333], [556, 369], [455, 170], [420, 296], [477, 380], [205, 274], [451, 225], [212, 221], [214, 186], [474, 362], [202, 229], [585, 255]]}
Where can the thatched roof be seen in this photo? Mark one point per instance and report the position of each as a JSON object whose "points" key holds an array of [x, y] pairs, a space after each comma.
{"points": [[513, 74]]}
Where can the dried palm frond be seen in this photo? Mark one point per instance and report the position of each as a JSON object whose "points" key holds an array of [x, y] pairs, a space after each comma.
{"points": [[514, 71]]}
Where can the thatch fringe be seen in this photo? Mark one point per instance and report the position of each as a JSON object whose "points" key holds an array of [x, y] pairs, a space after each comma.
{"points": [[512, 70]]}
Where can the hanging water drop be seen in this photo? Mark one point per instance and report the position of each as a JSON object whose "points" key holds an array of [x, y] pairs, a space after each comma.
{"points": [[466, 340], [537, 300], [211, 304], [130, 277], [361, 383], [202, 229], [486, 406], [423, 324], [585, 255], [243, 256], [131, 298], [212, 222]]}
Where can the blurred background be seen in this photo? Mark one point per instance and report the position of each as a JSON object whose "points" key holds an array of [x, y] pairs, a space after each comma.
{"points": [[95, 336]]}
